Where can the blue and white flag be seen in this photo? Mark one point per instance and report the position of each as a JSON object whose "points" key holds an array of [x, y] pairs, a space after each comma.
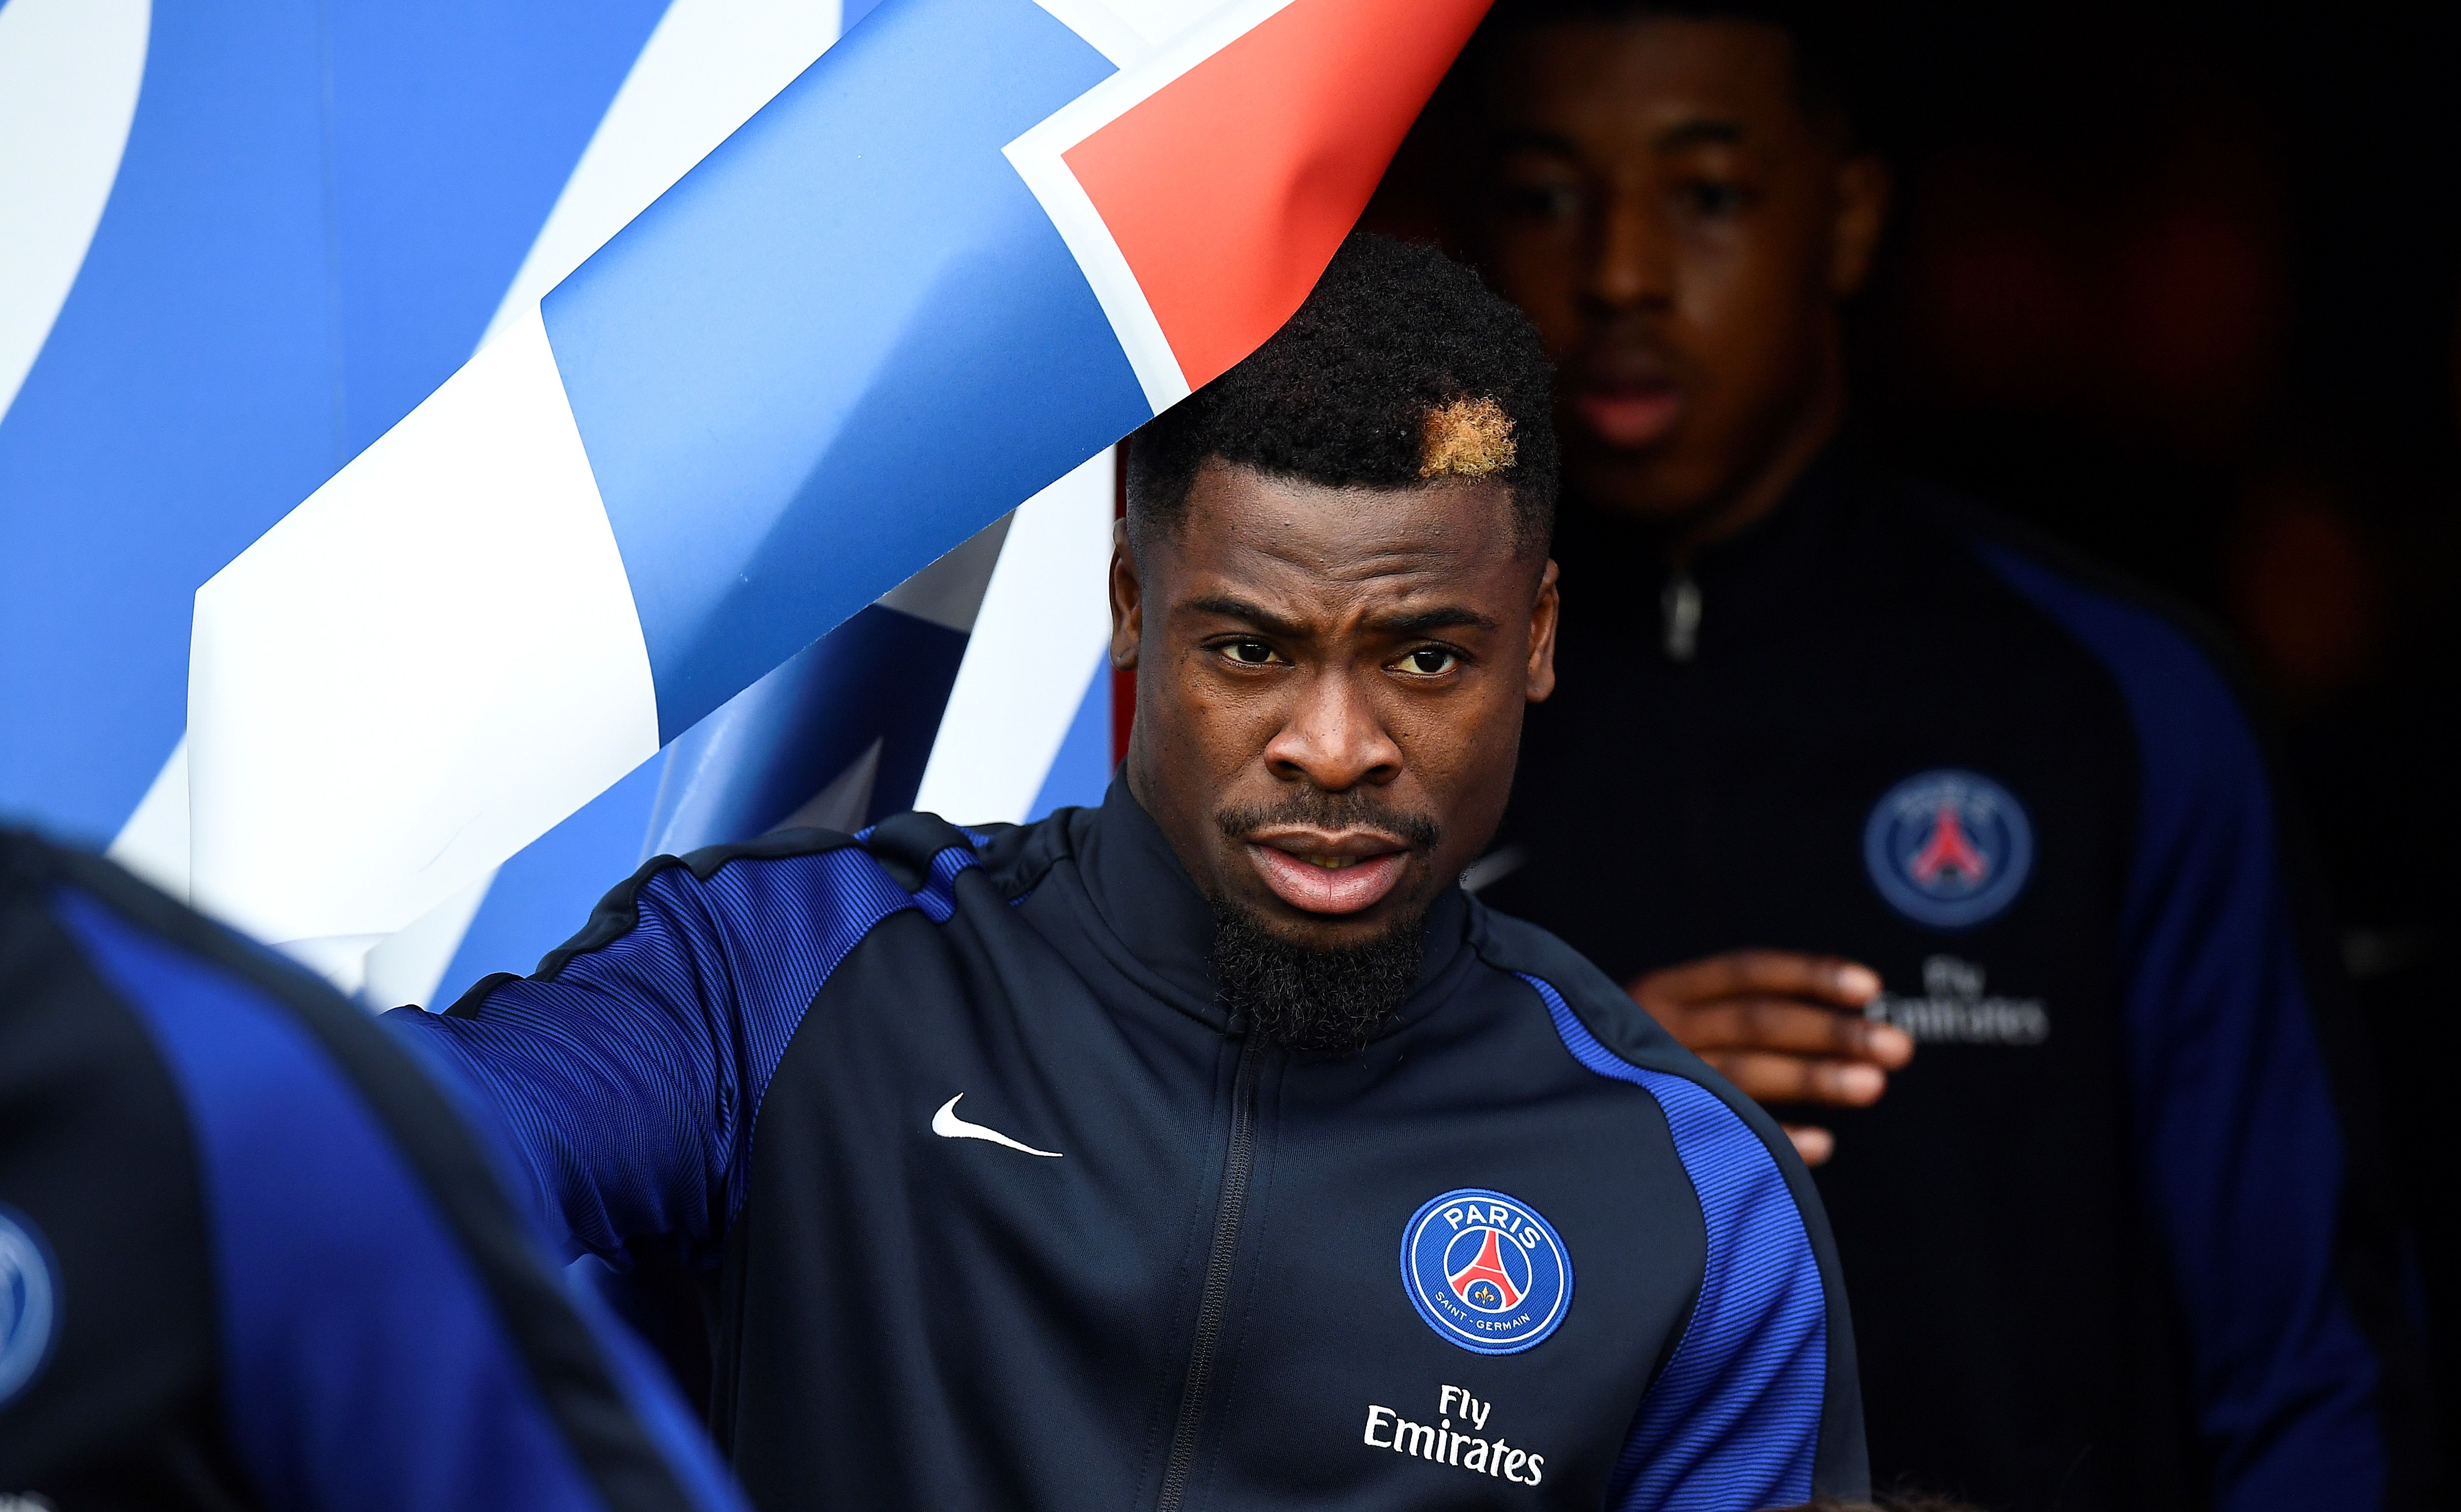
{"points": [[468, 158], [312, 214], [951, 263]]}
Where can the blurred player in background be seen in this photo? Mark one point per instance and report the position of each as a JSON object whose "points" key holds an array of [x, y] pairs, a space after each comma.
{"points": [[251, 1255], [1905, 803]]}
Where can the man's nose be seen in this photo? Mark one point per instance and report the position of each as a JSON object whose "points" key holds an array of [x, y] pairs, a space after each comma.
{"points": [[1629, 263], [1332, 738]]}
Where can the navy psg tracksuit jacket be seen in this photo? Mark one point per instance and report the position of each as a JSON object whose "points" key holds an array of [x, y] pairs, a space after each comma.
{"points": [[2115, 1238], [1002, 1212], [253, 1255]]}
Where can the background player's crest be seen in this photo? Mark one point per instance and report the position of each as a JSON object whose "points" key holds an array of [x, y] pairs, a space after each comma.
{"points": [[29, 1303], [1948, 848], [1486, 1272]]}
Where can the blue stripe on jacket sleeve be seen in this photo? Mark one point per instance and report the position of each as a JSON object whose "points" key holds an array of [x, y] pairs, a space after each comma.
{"points": [[644, 1383], [2242, 1145], [363, 1364], [1733, 1421], [631, 1077]]}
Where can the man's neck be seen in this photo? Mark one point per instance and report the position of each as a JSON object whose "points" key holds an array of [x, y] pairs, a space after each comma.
{"points": [[1762, 487], [1768, 486]]}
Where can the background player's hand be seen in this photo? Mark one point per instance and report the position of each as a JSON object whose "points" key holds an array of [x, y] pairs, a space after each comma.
{"points": [[1783, 1027]]}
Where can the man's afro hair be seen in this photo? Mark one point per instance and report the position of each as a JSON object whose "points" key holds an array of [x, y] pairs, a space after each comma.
{"points": [[1400, 368]]}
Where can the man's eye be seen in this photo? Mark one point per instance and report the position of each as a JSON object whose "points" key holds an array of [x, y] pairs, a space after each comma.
{"points": [[1430, 662], [1712, 198], [1249, 653], [1542, 202]]}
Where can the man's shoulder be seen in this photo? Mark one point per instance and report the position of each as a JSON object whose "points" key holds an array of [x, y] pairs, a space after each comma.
{"points": [[2183, 682], [824, 885], [1588, 1009], [2176, 673], [916, 850], [1610, 1035]]}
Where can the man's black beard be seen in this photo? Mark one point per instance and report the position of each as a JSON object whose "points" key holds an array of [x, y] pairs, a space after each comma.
{"points": [[1297, 998]]}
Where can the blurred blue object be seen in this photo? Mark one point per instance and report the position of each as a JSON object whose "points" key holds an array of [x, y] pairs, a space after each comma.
{"points": [[316, 212]]}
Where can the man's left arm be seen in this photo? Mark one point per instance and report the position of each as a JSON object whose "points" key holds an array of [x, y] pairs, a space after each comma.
{"points": [[1758, 1403], [2255, 1119]]}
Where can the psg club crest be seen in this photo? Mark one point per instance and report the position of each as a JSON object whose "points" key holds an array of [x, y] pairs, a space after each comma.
{"points": [[1949, 849], [29, 1304], [1486, 1272]]}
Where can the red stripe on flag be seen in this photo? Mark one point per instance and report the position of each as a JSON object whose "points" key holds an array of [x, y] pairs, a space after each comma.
{"points": [[1229, 189], [1124, 679]]}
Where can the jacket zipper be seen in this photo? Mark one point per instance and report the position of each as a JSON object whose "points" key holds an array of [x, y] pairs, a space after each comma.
{"points": [[1680, 605], [1235, 1166]]}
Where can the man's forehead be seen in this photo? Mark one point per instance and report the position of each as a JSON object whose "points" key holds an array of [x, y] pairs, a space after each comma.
{"points": [[1455, 524], [1281, 543], [1646, 81]]}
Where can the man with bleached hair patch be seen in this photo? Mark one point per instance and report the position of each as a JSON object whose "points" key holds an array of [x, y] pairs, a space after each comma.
{"points": [[1209, 1147]]}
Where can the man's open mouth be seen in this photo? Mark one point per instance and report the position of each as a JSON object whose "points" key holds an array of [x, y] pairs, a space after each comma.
{"points": [[1630, 416], [1329, 874], [1625, 391]]}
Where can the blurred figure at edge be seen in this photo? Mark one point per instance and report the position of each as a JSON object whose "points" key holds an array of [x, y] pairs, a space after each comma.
{"points": [[1912, 804], [252, 1254]]}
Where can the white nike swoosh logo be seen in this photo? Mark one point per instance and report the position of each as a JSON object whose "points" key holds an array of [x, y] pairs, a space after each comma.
{"points": [[949, 1126]]}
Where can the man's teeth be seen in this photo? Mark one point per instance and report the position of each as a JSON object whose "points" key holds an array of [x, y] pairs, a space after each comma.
{"points": [[1331, 863]]}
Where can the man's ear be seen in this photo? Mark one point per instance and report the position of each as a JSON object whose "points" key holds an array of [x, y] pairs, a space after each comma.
{"points": [[1543, 614], [1863, 190], [1127, 600]]}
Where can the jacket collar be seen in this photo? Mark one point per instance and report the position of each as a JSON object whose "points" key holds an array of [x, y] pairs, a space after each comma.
{"points": [[1145, 898], [1764, 576]]}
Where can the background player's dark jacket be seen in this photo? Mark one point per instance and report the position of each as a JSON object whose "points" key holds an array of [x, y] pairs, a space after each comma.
{"points": [[2105, 1240], [251, 1255], [1191, 1299]]}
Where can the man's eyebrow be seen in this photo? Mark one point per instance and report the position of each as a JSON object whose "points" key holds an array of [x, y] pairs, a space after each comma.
{"points": [[1419, 622], [1225, 607], [1451, 616], [1700, 130], [1532, 139]]}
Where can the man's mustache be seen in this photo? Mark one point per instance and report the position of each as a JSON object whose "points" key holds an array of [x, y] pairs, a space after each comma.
{"points": [[1316, 809]]}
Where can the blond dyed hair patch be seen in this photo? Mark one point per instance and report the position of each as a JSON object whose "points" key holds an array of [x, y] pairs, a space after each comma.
{"points": [[1467, 438]]}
